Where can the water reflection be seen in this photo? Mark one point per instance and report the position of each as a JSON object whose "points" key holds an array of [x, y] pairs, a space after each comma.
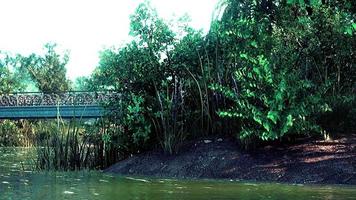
{"points": [[18, 182]]}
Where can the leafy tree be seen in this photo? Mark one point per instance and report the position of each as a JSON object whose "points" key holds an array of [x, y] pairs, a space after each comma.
{"points": [[156, 69], [9, 81], [48, 71], [82, 84], [277, 54], [273, 68], [10, 135]]}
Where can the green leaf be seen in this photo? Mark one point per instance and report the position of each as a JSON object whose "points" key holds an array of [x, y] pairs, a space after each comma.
{"points": [[254, 44], [264, 136], [267, 126], [315, 2], [243, 55], [273, 116], [301, 3], [289, 120], [257, 119], [257, 71], [279, 96], [348, 31], [250, 93]]}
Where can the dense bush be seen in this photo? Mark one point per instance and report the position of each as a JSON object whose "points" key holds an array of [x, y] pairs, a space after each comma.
{"points": [[270, 103], [10, 134], [158, 86], [288, 62], [340, 117], [269, 67]]}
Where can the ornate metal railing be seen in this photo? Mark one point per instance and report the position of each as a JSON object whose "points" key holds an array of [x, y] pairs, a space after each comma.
{"points": [[57, 99]]}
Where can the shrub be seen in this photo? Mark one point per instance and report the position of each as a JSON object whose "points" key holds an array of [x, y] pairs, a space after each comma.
{"points": [[10, 134], [270, 102]]}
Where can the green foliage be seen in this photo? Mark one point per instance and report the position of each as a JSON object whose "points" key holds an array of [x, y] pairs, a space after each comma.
{"points": [[304, 3], [270, 102], [48, 71], [151, 31], [72, 145], [152, 77], [10, 134], [266, 63], [82, 84], [6, 80], [340, 116], [133, 129], [284, 61], [135, 120], [9, 78]]}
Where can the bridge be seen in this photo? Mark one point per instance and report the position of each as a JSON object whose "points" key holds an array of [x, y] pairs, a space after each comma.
{"points": [[37, 105]]}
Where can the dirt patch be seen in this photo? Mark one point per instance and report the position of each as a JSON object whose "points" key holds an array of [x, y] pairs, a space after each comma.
{"points": [[309, 161]]}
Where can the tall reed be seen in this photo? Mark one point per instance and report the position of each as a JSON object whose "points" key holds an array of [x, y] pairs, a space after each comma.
{"points": [[70, 145]]}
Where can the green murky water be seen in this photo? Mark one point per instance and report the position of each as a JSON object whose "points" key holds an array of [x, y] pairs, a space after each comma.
{"points": [[17, 182]]}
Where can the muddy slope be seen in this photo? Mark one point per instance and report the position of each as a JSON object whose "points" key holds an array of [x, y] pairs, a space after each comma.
{"points": [[311, 161]]}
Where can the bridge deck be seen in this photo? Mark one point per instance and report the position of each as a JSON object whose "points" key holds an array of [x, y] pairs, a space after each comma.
{"points": [[39, 112], [44, 105]]}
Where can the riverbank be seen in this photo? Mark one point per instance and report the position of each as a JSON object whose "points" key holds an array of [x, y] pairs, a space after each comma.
{"points": [[309, 161]]}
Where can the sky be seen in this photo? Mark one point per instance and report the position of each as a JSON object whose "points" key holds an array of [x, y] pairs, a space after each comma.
{"points": [[83, 27]]}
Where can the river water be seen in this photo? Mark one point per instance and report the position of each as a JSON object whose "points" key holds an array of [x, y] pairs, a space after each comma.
{"points": [[18, 182]]}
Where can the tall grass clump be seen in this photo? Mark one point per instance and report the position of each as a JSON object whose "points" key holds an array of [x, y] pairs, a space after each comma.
{"points": [[71, 145]]}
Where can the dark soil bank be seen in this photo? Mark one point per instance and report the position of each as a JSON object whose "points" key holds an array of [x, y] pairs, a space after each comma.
{"points": [[311, 161]]}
